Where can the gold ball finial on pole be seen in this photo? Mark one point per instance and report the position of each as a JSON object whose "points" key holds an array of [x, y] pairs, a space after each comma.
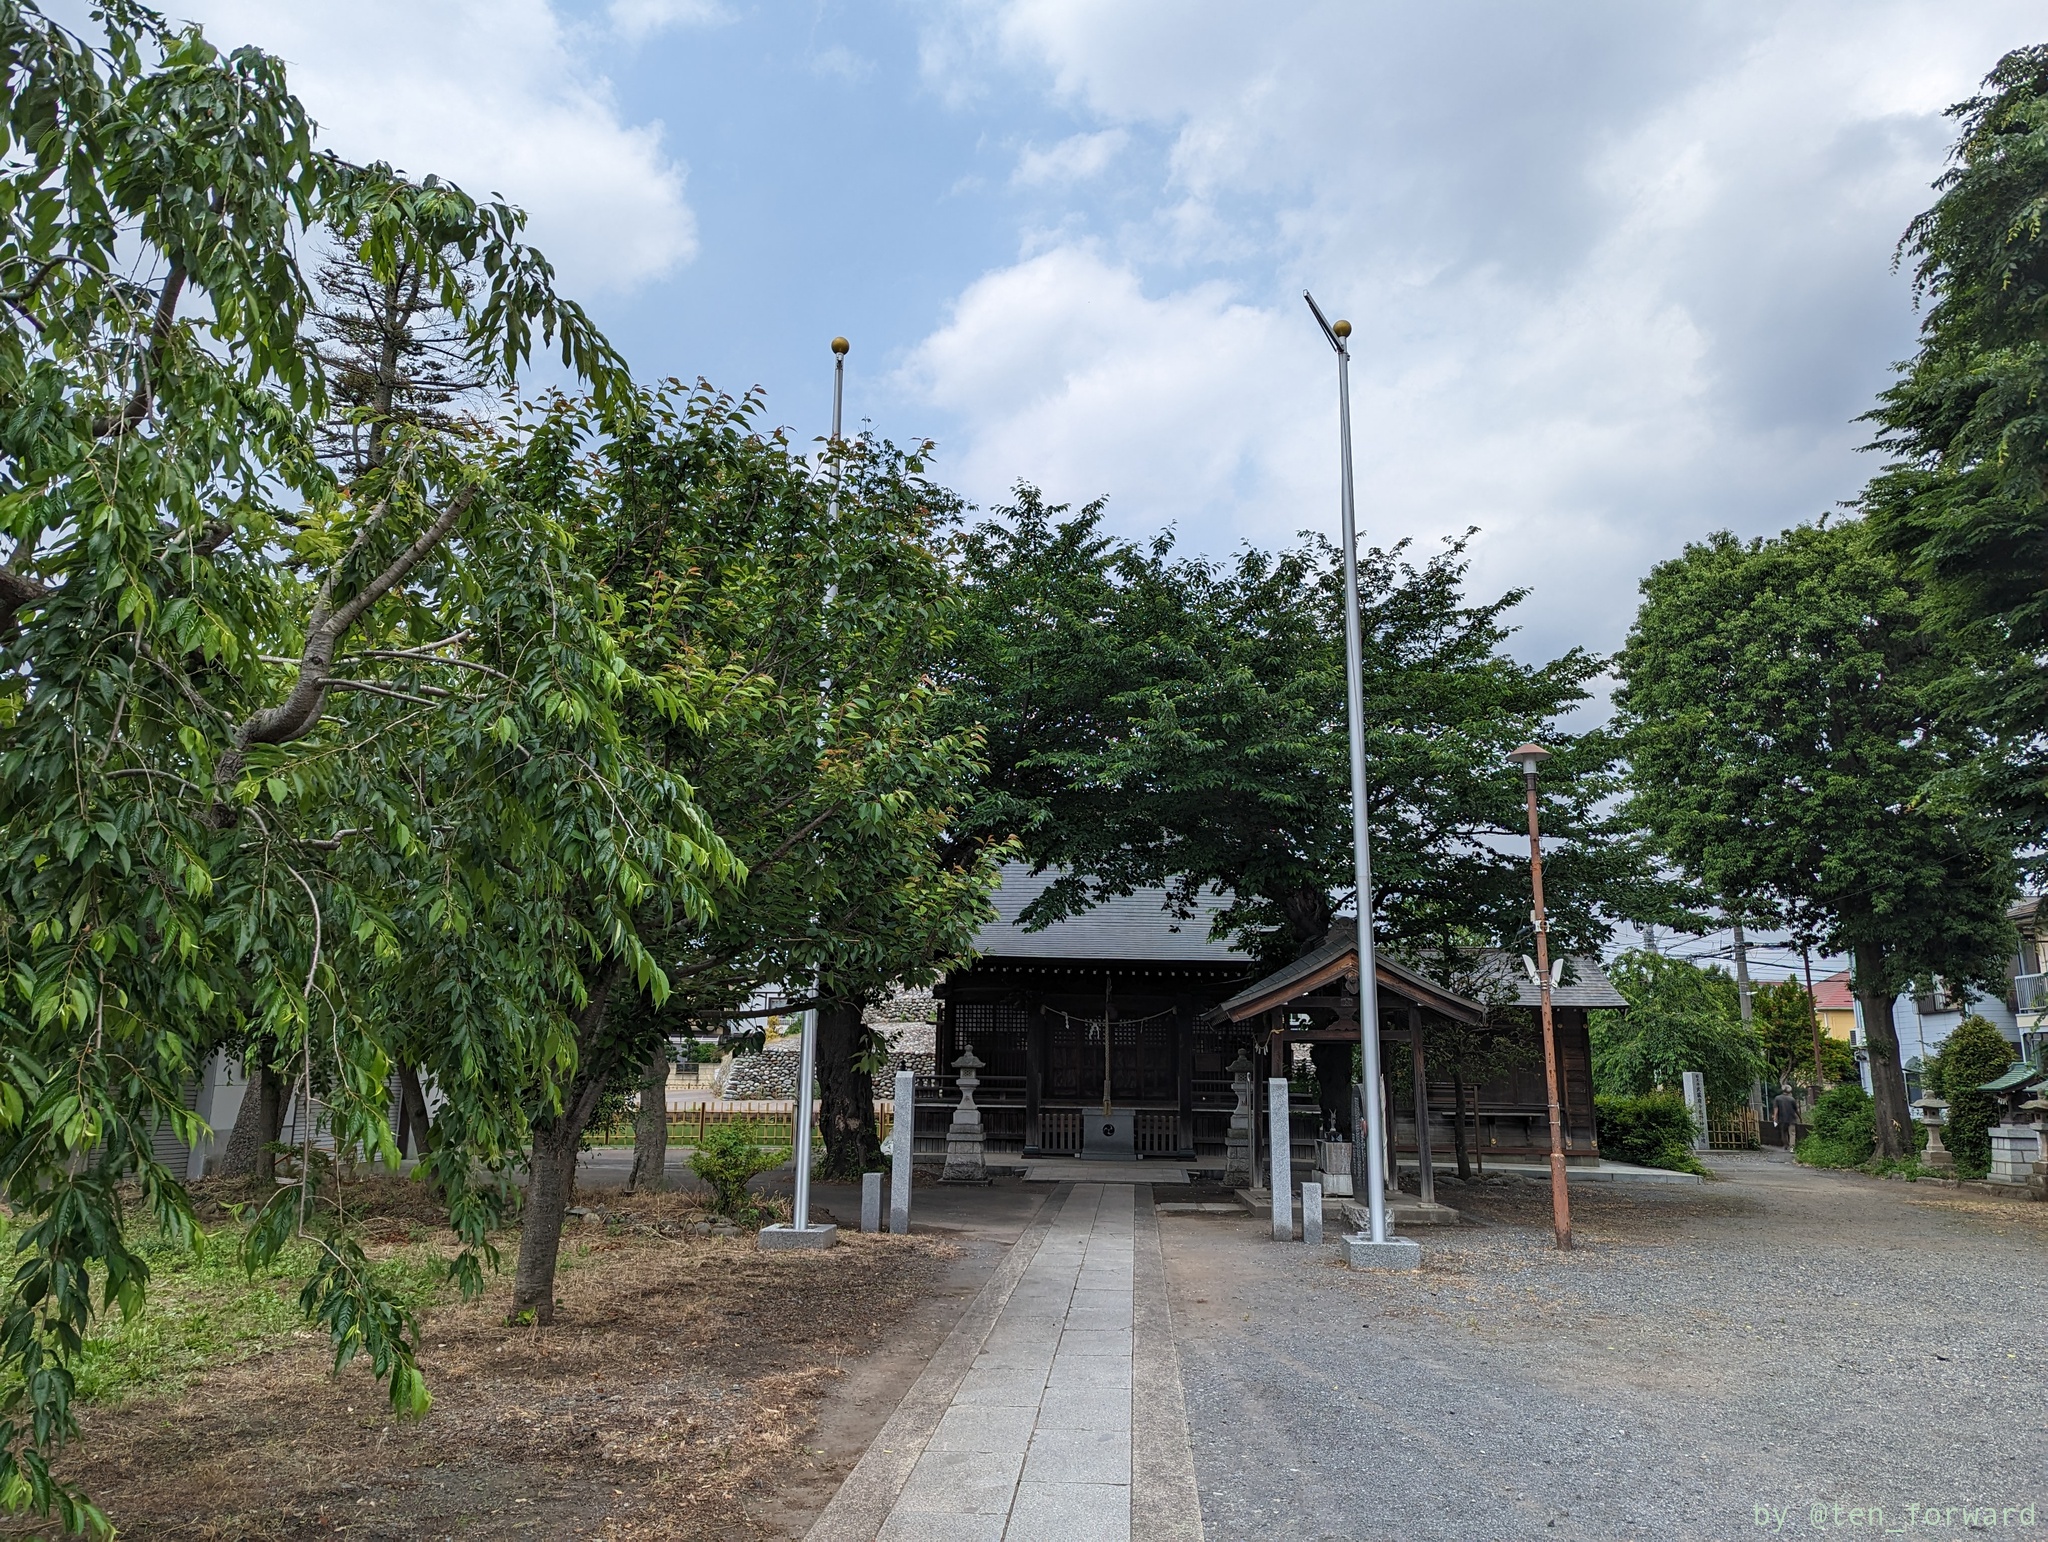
{"points": [[840, 346], [1341, 328]]}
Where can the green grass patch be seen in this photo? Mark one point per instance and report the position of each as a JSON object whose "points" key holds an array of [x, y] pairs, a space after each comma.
{"points": [[204, 1310]]}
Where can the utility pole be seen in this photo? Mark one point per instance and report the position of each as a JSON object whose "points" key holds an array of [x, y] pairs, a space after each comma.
{"points": [[1742, 971], [1812, 1010]]}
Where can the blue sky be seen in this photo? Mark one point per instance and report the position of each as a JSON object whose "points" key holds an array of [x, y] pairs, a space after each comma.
{"points": [[1621, 273]]}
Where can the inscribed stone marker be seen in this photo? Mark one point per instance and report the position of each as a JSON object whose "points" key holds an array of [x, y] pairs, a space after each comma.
{"points": [[1282, 1143]]}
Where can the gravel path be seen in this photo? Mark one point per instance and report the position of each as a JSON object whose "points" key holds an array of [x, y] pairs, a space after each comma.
{"points": [[1782, 1352]]}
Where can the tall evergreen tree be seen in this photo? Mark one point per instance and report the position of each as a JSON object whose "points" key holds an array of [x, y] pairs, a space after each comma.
{"points": [[1965, 497], [1785, 707]]}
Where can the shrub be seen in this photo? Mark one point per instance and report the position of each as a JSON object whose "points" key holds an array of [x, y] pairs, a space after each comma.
{"points": [[728, 1156], [1844, 1129], [1971, 1056], [1653, 1130]]}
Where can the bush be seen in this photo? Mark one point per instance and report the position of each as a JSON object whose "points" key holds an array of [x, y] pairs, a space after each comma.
{"points": [[1653, 1130], [1844, 1132], [729, 1156], [1970, 1056]]}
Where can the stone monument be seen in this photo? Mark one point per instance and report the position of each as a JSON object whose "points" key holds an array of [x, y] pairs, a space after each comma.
{"points": [[966, 1144]]}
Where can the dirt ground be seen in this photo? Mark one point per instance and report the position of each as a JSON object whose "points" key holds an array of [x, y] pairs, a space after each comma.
{"points": [[677, 1396]]}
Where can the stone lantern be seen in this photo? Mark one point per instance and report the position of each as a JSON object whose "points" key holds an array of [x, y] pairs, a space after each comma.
{"points": [[1237, 1143], [1933, 1112], [966, 1143]]}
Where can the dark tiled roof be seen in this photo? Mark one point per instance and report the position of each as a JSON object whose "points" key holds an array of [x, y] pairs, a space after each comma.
{"points": [[1585, 982], [1130, 926]]}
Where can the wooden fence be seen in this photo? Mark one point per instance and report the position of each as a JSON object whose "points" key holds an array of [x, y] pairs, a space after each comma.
{"points": [[1734, 1131]]}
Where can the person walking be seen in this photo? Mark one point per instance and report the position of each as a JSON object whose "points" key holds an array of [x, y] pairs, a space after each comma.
{"points": [[1785, 1115]]}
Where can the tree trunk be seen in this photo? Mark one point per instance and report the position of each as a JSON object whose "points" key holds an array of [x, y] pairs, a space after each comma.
{"points": [[1308, 918], [650, 1127], [1890, 1117], [1458, 1125], [551, 1175], [551, 1172], [847, 1093], [419, 1126], [238, 1157], [270, 1102]]}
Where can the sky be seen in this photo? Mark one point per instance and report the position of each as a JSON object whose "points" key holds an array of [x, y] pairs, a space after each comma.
{"points": [[1621, 274]]}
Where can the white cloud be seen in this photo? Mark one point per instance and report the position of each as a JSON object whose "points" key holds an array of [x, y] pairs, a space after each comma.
{"points": [[636, 20], [491, 94], [1073, 159], [1075, 377], [1620, 277]]}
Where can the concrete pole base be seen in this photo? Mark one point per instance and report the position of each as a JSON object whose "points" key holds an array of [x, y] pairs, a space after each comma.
{"points": [[782, 1237], [1361, 1252]]}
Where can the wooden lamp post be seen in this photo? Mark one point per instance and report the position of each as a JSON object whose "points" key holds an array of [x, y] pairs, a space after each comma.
{"points": [[1530, 756]]}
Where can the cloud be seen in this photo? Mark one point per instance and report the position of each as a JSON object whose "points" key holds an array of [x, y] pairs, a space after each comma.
{"points": [[636, 20], [491, 94], [1621, 275], [1071, 160], [840, 63], [1075, 376]]}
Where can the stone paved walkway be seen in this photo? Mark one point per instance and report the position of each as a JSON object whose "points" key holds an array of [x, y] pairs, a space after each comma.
{"points": [[1036, 1443]]}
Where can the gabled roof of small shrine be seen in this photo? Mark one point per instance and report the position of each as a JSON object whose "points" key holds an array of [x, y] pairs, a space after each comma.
{"points": [[1332, 961]]}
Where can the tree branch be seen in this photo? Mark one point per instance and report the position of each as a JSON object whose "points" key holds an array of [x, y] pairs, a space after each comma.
{"points": [[159, 339]]}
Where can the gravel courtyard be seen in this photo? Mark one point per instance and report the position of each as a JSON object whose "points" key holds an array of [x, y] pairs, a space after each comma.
{"points": [[1782, 1352]]}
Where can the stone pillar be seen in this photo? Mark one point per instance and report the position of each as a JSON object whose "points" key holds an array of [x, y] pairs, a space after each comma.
{"points": [[901, 1139], [966, 1145], [1237, 1144], [1312, 1213], [870, 1202], [1283, 1159], [1696, 1105]]}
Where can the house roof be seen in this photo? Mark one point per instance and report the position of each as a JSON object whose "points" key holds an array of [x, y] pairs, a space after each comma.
{"points": [[1585, 983], [1334, 959], [1138, 925], [1833, 994], [2024, 910]]}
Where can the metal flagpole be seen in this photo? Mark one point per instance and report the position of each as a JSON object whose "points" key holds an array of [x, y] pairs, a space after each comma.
{"points": [[1361, 844], [807, 1058]]}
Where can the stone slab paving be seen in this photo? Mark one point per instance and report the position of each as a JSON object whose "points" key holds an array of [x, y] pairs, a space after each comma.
{"points": [[1054, 1411], [1037, 1442]]}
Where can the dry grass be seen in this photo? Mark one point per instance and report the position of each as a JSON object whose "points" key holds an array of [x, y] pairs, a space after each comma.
{"points": [[671, 1399]]}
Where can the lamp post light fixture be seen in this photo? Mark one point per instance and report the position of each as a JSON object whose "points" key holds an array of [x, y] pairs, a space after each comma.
{"points": [[1529, 757], [800, 1232], [1338, 333]]}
